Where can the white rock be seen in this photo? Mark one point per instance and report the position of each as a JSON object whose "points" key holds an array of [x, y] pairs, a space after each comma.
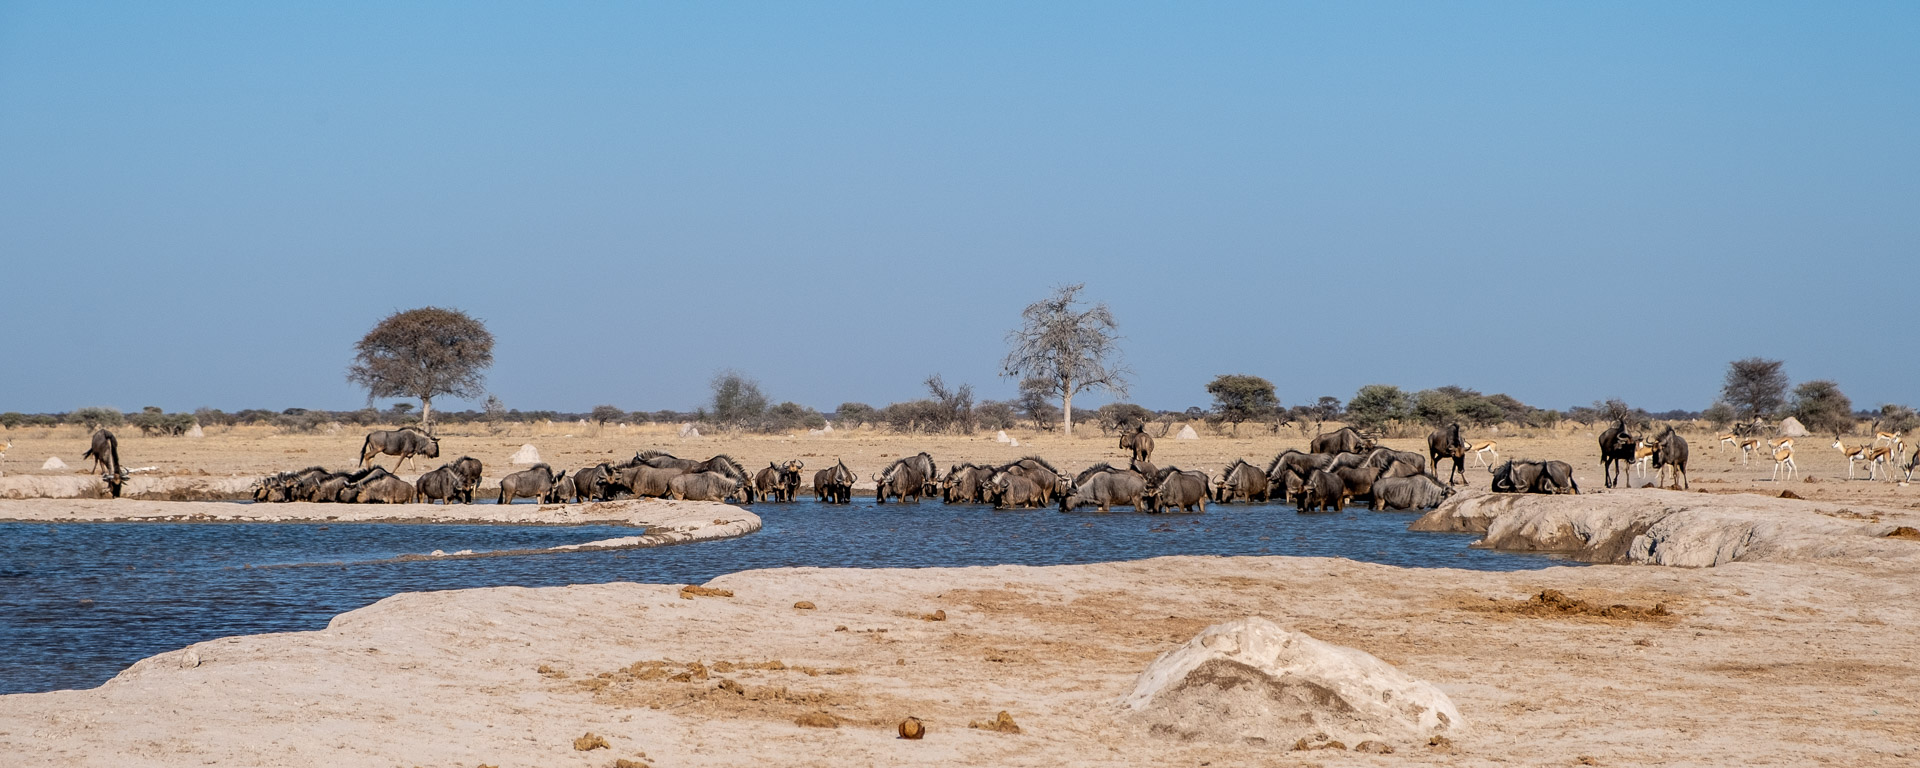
{"points": [[189, 659], [526, 455], [689, 431], [1791, 427], [1249, 681], [54, 462], [827, 429], [196, 432], [1002, 437], [1187, 433], [1014, 443]]}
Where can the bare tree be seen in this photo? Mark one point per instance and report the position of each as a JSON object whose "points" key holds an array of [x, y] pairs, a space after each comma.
{"points": [[1069, 350], [423, 353], [1755, 387]]}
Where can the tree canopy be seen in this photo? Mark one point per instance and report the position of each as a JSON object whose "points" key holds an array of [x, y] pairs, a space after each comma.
{"points": [[1755, 387], [1238, 397], [1066, 350], [423, 353]]}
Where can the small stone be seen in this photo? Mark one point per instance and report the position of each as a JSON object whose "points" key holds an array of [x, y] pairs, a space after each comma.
{"points": [[804, 605], [940, 615], [189, 659], [912, 728], [590, 741], [54, 462]]}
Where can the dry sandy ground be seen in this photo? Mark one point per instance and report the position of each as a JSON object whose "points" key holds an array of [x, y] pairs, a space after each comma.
{"points": [[231, 457], [1789, 659]]}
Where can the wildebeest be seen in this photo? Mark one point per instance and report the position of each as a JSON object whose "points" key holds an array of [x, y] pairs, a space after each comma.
{"points": [[906, 479], [1320, 491], [1415, 492], [405, 442], [1241, 480], [590, 483], [288, 486], [105, 452], [1051, 482], [834, 484], [535, 482], [1016, 490], [649, 473], [1177, 488], [378, 486], [1557, 477], [1344, 439], [442, 485], [1288, 471], [1616, 452], [1446, 442], [1104, 487], [962, 483], [1521, 476], [469, 470], [1670, 451], [1358, 480], [705, 486], [779, 481], [1138, 442], [332, 486]]}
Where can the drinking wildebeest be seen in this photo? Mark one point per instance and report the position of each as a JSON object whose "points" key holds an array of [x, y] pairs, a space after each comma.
{"points": [[441, 485], [1413, 492], [1241, 480], [1616, 452], [105, 452], [1016, 490], [536, 482], [590, 483], [405, 442], [1446, 442], [1051, 482], [1176, 488], [1320, 491], [1359, 481], [1345, 439], [1670, 451], [963, 482], [834, 484], [905, 479], [705, 486], [469, 469], [1138, 442], [379, 487], [1104, 487], [1521, 476]]}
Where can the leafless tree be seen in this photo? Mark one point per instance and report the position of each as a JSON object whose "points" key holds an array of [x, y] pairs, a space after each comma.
{"points": [[423, 353], [1068, 349]]}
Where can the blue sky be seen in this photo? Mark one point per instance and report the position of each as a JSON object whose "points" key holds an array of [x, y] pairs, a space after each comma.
{"points": [[206, 204]]}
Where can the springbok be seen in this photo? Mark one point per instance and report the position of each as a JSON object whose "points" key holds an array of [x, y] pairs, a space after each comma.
{"points": [[3, 450], [1728, 439], [1852, 454], [1783, 459], [1876, 458], [1886, 437], [1748, 446], [1642, 457], [1480, 451]]}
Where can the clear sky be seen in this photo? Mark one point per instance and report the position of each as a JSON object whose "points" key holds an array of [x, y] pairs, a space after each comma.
{"points": [[206, 204]]}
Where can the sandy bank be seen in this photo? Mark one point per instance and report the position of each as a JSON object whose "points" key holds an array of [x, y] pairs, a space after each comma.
{"points": [[1780, 662], [1656, 527], [661, 521]]}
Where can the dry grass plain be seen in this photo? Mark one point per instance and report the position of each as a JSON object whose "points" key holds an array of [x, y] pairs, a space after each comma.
{"points": [[252, 451]]}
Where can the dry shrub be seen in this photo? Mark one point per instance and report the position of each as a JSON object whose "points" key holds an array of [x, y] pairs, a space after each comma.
{"points": [[939, 615], [912, 728], [550, 672], [817, 720], [1440, 744], [804, 605], [1905, 532], [1002, 723], [692, 591], [590, 741], [1553, 603]]}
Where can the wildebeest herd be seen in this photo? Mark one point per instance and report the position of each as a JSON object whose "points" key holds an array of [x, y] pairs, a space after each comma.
{"points": [[1340, 468]]}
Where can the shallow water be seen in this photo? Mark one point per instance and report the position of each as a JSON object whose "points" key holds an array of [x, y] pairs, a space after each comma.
{"points": [[81, 601]]}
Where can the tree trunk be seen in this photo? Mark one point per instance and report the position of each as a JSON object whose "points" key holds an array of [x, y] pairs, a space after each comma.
{"points": [[426, 414], [1066, 410]]}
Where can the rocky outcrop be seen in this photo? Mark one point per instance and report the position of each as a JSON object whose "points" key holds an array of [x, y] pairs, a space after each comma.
{"points": [[139, 486], [1657, 527], [1250, 681]]}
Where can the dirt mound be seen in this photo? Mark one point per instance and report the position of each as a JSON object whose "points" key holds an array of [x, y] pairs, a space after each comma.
{"points": [[1554, 603], [1905, 532], [1002, 723]]}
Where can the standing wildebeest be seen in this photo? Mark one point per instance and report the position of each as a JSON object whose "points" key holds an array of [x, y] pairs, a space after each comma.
{"points": [[1670, 450], [1287, 473], [1138, 442], [1016, 490], [469, 469], [442, 484], [963, 483], [590, 483], [1616, 452], [1177, 488], [1051, 482], [1322, 490], [779, 481], [1103, 486], [405, 442], [535, 482], [1446, 442], [1344, 439], [1414, 492], [905, 479], [1242, 481], [834, 484], [705, 486]]}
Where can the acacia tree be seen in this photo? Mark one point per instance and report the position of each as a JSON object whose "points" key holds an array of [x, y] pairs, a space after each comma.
{"points": [[1239, 397], [737, 399], [1755, 387], [1821, 407], [423, 353], [1066, 350]]}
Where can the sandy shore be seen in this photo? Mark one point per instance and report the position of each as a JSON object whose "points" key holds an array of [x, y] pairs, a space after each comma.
{"points": [[1786, 656]]}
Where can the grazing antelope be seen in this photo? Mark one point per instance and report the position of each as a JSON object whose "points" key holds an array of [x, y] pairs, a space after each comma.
{"points": [[1480, 451], [1853, 454], [1877, 458], [1783, 459]]}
